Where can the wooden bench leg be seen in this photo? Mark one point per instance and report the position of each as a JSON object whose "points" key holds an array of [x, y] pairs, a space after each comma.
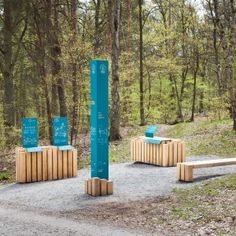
{"points": [[182, 172], [188, 173], [178, 171]]}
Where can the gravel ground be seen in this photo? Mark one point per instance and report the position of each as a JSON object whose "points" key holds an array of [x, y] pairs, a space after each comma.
{"points": [[25, 207]]}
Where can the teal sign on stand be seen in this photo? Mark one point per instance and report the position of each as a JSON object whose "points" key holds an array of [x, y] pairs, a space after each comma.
{"points": [[60, 133], [30, 134], [151, 130], [99, 118]]}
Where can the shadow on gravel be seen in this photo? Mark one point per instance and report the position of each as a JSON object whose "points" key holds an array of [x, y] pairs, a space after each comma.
{"points": [[146, 165]]}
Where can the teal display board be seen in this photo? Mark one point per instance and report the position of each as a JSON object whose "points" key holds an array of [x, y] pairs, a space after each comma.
{"points": [[60, 131], [151, 130], [99, 118], [29, 132]]}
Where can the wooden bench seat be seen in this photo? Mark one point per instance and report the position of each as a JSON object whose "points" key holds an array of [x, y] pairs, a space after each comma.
{"points": [[185, 169]]}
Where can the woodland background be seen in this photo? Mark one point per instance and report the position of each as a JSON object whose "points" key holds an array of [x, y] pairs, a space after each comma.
{"points": [[170, 60]]}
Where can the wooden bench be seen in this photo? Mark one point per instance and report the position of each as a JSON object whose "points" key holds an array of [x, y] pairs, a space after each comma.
{"points": [[185, 169]]}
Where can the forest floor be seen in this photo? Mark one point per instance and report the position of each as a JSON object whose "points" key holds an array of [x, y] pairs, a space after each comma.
{"points": [[147, 199]]}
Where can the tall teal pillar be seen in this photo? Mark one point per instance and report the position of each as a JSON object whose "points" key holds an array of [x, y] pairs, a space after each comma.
{"points": [[99, 119]]}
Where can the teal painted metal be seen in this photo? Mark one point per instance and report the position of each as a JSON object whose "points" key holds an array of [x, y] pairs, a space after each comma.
{"points": [[29, 132], [99, 118], [60, 131], [34, 149], [65, 148], [153, 141], [151, 130]]}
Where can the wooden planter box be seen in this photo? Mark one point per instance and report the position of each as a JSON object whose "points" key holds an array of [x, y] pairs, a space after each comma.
{"points": [[50, 164], [168, 153]]}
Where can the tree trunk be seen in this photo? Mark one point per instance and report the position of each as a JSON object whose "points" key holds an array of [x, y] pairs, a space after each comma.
{"points": [[97, 27], [142, 116], [115, 97], [55, 51], [74, 122], [195, 86], [9, 108]]}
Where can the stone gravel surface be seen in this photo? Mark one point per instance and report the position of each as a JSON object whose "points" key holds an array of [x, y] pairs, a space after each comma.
{"points": [[35, 202]]}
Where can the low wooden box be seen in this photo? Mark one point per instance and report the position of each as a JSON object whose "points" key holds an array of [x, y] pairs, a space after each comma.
{"points": [[168, 153], [98, 187], [50, 164]]}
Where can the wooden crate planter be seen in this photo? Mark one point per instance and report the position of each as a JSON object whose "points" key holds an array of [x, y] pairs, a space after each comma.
{"points": [[168, 153], [50, 164], [98, 187]]}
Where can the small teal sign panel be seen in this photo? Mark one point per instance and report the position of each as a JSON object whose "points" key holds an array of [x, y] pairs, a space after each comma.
{"points": [[60, 131], [151, 130], [29, 132], [99, 118]]}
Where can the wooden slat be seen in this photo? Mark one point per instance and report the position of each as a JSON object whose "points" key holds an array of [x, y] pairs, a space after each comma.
{"points": [[17, 153], [86, 186], [103, 183], [139, 151], [50, 164], [178, 173], [89, 190], [70, 164], [157, 154], [131, 150], [22, 164], [34, 166], [188, 173], [74, 151], [29, 167], [134, 150], [179, 159], [143, 152], [183, 152], [39, 166], [161, 155], [175, 154], [182, 174], [59, 164], [96, 189], [171, 154], [109, 187], [64, 164], [211, 163], [148, 153], [45, 165], [54, 163], [165, 154], [154, 154]]}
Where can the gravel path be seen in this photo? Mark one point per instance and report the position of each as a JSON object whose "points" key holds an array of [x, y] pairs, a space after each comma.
{"points": [[26, 207]]}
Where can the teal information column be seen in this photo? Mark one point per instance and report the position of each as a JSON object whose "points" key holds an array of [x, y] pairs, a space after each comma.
{"points": [[99, 119]]}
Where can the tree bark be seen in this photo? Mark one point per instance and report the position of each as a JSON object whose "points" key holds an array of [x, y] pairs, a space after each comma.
{"points": [[74, 122], [97, 27], [141, 83], [115, 97], [9, 107]]}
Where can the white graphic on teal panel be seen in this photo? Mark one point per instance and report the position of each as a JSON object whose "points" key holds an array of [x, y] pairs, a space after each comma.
{"points": [[102, 132], [103, 68], [100, 116]]}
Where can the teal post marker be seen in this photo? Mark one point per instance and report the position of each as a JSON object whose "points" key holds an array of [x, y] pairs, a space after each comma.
{"points": [[99, 119]]}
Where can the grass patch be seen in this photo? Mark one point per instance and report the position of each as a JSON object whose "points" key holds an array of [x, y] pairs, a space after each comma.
{"points": [[5, 176], [205, 137], [213, 201]]}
